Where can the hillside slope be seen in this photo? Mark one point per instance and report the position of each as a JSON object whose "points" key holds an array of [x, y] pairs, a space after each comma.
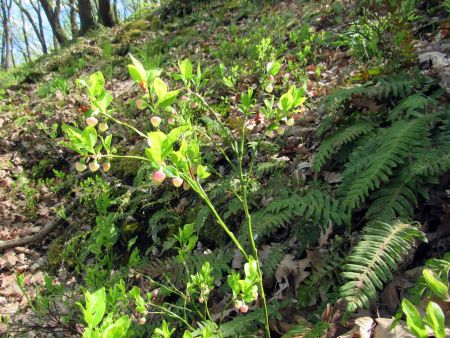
{"points": [[362, 142]]}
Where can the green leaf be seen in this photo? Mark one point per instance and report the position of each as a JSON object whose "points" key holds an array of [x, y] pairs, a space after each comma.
{"points": [[168, 99], [136, 70], [202, 171], [435, 319], [95, 306], [251, 269], [108, 141], [298, 96], [90, 138], [96, 84], [160, 88], [155, 141], [187, 334], [233, 282], [273, 68], [118, 329], [285, 102], [139, 301], [438, 288], [175, 133], [413, 319], [103, 102], [185, 69]]}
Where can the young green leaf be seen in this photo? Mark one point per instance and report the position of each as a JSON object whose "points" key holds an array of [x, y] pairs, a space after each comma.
{"points": [[438, 288], [413, 319], [435, 319], [117, 329], [95, 307], [185, 69], [89, 136], [136, 70], [202, 171], [96, 84], [160, 88], [273, 68], [168, 99]]}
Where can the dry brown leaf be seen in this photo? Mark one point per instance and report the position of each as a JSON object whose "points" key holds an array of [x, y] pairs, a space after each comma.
{"points": [[289, 267], [391, 292], [332, 177], [10, 257], [323, 239], [382, 329]]}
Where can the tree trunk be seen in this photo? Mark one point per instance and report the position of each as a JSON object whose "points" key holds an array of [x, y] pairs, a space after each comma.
{"points": [[86, 18], [116, 13], [73, 18], [53, 19], [37, 9], [105, 13], [6, 47], [12, 52], [25, 38]]}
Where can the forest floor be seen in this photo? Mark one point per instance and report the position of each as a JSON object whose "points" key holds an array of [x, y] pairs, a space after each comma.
{"points": [[37, 180]]}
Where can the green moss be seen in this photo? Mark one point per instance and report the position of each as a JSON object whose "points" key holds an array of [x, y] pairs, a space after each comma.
{"points": [[55, 251], [132, 30], [125, 167], [130, 230]]}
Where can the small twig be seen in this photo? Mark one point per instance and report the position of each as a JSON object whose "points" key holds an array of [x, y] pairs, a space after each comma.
{"points": [[38, 237]]}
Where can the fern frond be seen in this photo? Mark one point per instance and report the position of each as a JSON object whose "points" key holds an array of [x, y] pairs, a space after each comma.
{"points": [[432, 162], [396, 144], [234, 207], [244, 325], [338, 96], [173, 269], [374, 258], [315, 206], [304, 330], [273, 258], [327, 271], [321, 208], [396, 199], [266, 223], [399, 86], [268, 168], [202, 216], [412, 106], [161, 220], [334, 143]]}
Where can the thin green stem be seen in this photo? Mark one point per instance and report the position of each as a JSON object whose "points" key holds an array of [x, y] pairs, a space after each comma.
{"points": [[199, 190], [172, 314], [223, 310], [219, 147], [244, 181], [127, 156], [126, 125], [255, 254]]}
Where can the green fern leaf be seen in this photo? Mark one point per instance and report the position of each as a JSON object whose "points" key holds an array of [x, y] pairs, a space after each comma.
{"points": [[274, 256], [396, 144], [412, 106], [374, 258], [334, 143], [396, 199]]}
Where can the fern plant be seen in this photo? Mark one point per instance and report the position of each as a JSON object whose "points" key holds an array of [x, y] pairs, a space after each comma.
{"points": [[334, 143], [372, 261], [397, 143], [313, 206]]}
